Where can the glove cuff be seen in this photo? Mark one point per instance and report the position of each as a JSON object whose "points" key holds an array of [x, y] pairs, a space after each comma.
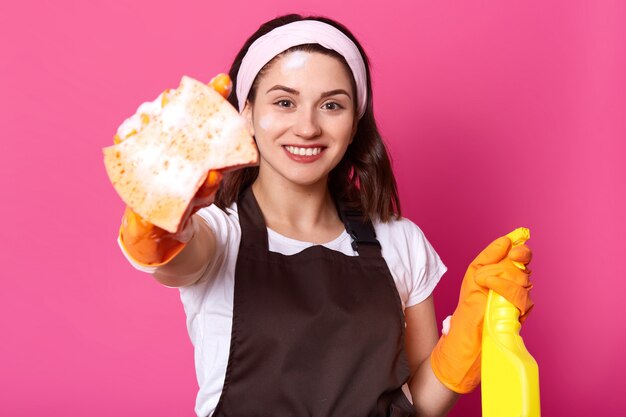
{"points": [[461, 375], [151, 254]]}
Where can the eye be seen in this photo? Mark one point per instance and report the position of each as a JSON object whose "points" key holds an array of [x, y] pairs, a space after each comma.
{"points": [[332, 105], [284, 103]]}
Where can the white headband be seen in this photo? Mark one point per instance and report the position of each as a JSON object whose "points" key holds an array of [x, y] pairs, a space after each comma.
{"points": [[302, 32]]}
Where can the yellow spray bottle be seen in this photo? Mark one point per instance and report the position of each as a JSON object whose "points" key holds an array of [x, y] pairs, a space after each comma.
{"points": [[509, 374]]}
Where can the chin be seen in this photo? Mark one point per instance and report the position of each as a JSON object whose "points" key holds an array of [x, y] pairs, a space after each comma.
{"points": [[306, 180]]}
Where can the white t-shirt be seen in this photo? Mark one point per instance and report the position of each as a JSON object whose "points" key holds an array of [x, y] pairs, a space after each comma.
{"points": [[414, 265]]}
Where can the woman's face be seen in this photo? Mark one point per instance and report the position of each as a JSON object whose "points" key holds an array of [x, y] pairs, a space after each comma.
{"points": [[303, 117]]}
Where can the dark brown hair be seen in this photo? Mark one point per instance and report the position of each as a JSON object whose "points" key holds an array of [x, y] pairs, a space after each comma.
{"points": [[363, 179]]}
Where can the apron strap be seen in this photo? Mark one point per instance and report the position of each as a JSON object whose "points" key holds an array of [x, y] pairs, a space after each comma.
{"points": [[362, 232], [251, 220]]}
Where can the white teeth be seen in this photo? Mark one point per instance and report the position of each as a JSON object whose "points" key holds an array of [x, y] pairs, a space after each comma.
{"points": [[303, 151]]}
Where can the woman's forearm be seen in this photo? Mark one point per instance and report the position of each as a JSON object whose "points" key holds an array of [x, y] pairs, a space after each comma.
{"points": [[430, 397], [189, 265]]}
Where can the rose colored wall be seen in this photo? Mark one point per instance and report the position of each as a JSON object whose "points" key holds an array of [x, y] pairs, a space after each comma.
{"points": [[498, 114]]}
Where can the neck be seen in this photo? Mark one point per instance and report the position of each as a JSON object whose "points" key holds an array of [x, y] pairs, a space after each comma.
{"points": [[300, 212]]}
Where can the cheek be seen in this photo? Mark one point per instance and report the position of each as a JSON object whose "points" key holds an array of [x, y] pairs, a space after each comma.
{"points": [[271, 124], [267, 129], [345, 129], [266, 122]]}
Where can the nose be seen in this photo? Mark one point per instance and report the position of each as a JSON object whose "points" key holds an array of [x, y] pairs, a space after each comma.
{"points": [[306, 124]]}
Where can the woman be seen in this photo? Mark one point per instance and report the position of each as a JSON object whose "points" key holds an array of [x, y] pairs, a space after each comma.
{"points": [[306, 292]]}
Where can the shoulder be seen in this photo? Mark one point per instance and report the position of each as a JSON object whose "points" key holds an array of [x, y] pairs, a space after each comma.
{"points": [[223, 222], [403, 239], [213, 213], [413, 261], [399, 233]]}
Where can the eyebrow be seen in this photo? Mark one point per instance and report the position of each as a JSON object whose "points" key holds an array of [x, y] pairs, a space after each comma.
{"points": [[335, 92], [296, 92], [283, 88]]}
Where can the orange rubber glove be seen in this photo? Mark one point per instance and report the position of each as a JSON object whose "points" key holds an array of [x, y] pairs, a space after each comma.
{"points": [[455, 360], [149, 245]]}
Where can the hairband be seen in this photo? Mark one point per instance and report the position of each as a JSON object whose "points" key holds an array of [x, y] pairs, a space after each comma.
{"points": [[302, 32]]}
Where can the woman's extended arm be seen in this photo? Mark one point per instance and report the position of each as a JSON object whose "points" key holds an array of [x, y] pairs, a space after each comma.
{"points": [[182, 268], [175, 259], [189, 265], [430, 397]]}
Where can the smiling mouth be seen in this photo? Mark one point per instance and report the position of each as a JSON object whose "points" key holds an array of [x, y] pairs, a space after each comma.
{"points": [[294, 150]]}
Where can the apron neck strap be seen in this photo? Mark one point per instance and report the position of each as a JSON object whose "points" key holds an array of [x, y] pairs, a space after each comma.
{"points": [[253, 226], [361, 231], [251, 219]]}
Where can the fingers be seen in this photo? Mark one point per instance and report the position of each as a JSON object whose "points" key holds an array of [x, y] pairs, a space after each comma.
{"points": [[519, 296], [222, 84], [508, 281], [214, 178], [494, 253], [504, 269], [210, 186], [524, 315], [521, 253], [135, 227], [206, 193]]}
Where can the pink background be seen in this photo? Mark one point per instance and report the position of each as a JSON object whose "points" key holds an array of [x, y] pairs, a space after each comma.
{"points": [[498, 114]]}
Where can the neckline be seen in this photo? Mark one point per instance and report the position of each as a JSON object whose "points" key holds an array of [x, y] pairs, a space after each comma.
{"points": [[301, 243]]}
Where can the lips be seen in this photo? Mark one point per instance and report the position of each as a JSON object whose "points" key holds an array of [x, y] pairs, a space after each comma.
{"points": [[304, 153], [308, 151]]}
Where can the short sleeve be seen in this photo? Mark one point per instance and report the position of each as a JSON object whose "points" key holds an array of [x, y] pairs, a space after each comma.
{"points": [[414, 264], [427, 268], [225, 227]]}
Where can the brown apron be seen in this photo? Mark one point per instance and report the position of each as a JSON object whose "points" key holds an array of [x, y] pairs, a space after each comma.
{"points": [[317, 333]]}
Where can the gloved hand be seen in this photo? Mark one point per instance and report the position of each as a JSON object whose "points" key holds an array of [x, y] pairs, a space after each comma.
{"points": [[149, 245], [455, 360]]}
